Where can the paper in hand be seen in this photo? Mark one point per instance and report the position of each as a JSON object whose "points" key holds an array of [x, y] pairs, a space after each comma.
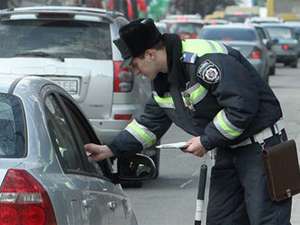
{"points": [[180, 145]]}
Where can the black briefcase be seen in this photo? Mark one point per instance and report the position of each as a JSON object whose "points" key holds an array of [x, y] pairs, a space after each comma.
{"points": [[282, 170]]}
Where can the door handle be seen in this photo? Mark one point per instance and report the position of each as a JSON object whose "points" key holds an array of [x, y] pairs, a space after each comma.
{"points": [[86, 203], [112, 205]]}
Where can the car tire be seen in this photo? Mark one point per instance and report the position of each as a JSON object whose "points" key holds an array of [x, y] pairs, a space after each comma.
{"points": [[272, 70], [131, 184], [294, 64]]}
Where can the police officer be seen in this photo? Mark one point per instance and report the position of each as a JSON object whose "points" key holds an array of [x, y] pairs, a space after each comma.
{"points": [[212, 92]]}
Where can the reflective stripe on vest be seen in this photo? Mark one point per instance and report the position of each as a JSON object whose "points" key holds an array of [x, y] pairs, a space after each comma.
{"points": [[165, 102], [226, 128], [141, 133], [194, 94], [202, 47]]}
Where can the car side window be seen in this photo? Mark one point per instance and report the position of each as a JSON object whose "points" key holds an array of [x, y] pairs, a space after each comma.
{"points": [[84, 131], [261, 33], [62, 137]]}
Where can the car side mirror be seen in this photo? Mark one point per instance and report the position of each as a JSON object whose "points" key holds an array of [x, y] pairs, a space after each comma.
{"points": [[136, 168], [275, 41], [269, 44]]}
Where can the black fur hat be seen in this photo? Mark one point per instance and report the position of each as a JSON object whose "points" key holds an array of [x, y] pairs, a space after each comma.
{"points": [[136, 37]]}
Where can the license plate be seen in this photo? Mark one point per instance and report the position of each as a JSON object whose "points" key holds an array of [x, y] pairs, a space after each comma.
{"points": [[70, 85]]}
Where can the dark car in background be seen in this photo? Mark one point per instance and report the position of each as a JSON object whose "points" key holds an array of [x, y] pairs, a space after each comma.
{"points": [[296, 26], [285, 43], [243, 38]]}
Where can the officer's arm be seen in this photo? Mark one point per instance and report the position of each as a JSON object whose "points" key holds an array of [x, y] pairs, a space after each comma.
{"points": [[236, 91], [142, 132]]}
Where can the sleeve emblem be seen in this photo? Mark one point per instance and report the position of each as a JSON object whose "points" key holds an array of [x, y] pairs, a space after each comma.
{"points": [[209, 72]]}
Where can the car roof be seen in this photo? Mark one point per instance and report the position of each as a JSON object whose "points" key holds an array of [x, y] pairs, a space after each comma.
{"points": [[110, 15], [275, 25], [230, 26], [174, 21]]}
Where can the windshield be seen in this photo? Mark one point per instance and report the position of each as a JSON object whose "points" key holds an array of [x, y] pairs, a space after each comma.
{"points": [[66, 39], [280, 32], [229, 34], [12, 138]]}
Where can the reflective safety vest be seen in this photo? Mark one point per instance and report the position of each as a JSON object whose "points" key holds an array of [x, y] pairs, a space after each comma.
{"points": [[191, 49]]}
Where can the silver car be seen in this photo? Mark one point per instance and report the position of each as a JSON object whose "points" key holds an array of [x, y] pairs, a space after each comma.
{"points": [[45, 176], [243, 38]]}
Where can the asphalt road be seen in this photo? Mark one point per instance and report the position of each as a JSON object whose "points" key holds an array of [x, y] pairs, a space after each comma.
{"points": [[170, 199]]}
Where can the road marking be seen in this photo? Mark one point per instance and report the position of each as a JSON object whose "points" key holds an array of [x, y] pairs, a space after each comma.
{"points": [[186, 183]]}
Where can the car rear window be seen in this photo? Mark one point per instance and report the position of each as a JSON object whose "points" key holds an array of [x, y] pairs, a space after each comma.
{"points": [[63, 39], [230, 34], [186, 28], [280, 32], [12, 134]]}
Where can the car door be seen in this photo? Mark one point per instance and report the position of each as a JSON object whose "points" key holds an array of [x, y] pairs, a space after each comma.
{"points": [[77, 189], [101, 198], [264, 39], [67, 195]]}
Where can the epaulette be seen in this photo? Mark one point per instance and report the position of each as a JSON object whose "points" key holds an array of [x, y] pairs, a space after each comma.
{"points": [[189, 57]]}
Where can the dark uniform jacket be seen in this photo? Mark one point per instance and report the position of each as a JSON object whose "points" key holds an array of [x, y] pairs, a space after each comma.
{"points": [[210, 91]]}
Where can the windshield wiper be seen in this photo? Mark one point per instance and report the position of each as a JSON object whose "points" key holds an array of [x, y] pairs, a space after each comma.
{"points": [[41, 54]]}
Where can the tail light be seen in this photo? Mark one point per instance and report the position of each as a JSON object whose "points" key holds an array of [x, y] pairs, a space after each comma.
{"points": [[123, 78], [24, 201], [285, 47], [194, 36], [255, 54], [122, 116]]}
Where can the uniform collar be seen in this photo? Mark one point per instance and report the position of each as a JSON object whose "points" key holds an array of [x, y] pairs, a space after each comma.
{"points": [[175, 74]]}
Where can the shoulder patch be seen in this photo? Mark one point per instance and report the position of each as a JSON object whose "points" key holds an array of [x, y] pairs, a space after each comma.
{"points": [[209, 72], [189, 57]]}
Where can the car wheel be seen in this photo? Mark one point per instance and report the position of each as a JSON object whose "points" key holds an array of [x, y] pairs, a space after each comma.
{"points": [[156, 160], [294, 64], [131, 184], [272, 70]]}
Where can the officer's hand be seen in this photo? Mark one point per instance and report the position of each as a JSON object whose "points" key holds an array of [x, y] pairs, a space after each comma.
{"points": [[195, 147], [98, 152]]}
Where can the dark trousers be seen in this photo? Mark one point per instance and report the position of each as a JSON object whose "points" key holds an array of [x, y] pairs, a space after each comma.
{"points": [[238, 192]]}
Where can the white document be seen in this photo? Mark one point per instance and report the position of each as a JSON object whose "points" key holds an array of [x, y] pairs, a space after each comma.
{"points": [[172, 145]]}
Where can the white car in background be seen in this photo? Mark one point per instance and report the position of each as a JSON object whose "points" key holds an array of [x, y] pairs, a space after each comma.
{"points": [[73, 47], [267, 19]]}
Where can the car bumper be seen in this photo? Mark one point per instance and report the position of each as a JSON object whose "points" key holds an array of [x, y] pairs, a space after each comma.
{"points": [[286, 58], [259, 66]]}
